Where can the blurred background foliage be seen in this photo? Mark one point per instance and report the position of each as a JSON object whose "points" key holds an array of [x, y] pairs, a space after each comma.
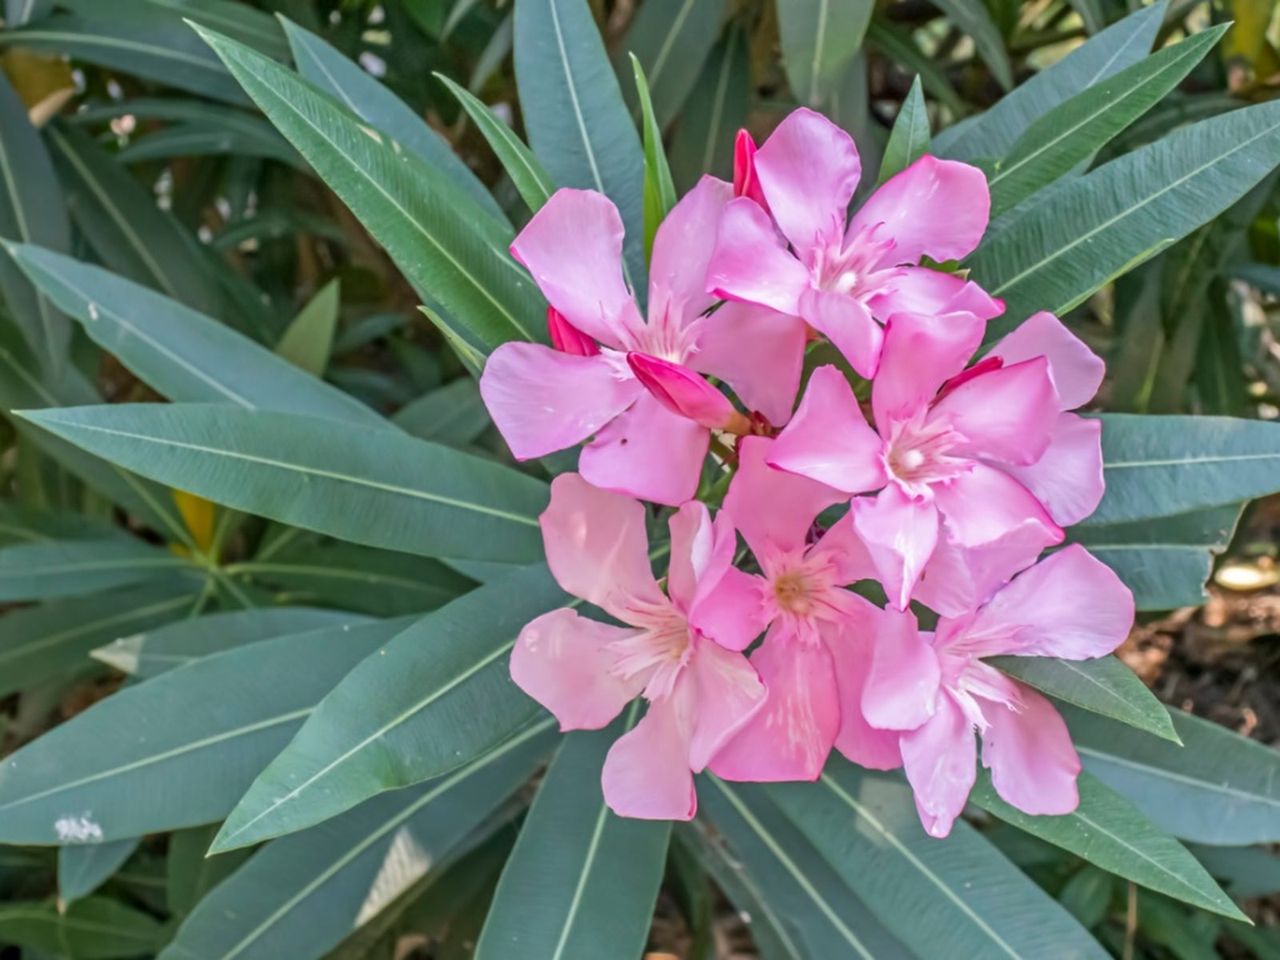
{"points": [[126, 143]]}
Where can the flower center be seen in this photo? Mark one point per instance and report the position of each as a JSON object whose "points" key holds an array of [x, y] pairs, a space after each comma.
{"points": [[919, 454], [669, 334], [657, 651], [848, 266], [793, 594]]}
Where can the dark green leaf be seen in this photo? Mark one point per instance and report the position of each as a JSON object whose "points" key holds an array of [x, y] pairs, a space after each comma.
{"points": [[994, 132], [375, 487], [1074, 130], [197, 737], [672, 40], [1105, 686], [247, 24], [308, 339], [581, 881], [19, 524], [211, 138], [703, 141], [1164, 561], [65, 568], [819, 39], [18, 13], [531, 181], [1161, 466], [300, 896], [956, 897], [453, 414], [32, 210], [1088, 895], [432, 699], [659, 191], [973, 18], [1244, 871], [189, 874], [83, 869], [573, 110], [909, 139], [1109, 832], [92, 929], [1080, 233], [353, 87], [1218, 788]]}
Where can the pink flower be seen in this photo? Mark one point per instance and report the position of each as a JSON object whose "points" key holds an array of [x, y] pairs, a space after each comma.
{"points": [[811, 660], [961, 458], [585, 672], [545, 399], [842, 279], [1069, 605]]}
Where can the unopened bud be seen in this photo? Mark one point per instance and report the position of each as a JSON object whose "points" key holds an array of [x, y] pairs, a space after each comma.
{"points": [[567, 338], [745, 181], [686, 394]]}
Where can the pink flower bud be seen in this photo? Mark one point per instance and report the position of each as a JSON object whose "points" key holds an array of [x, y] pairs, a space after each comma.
{"points": [[985, 365], [567, 338], [685, 393], [745, 181]]}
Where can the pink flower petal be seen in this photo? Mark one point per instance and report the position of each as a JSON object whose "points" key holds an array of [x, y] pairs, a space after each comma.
{"points": [[563, 661], [730, 695], [751, 264], [567, 338], [899, 532], [847, 324], [682, 249], [808, 170], [828, 439], [928, 291], [902, 688], [770, 507], [1033, 763], [1068, 477], [1075, 369], [940, 760], [682, 391], [936, 208], [790, 738], [597, 547], [647, 452], [701, 553], [958, 579], [758, 352], [543, 400], [986, 504], [646, 773], [850, 646], [1069, 605], [732, 613], [920, 354], [842, 545], [1006, 414], [573, 248]]}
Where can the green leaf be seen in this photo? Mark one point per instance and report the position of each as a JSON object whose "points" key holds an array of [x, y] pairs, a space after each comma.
{"points": [[443, 242], [1164, 561], [32, 210], [672, 40], [308, 340], [83, 869], [150, 652], [1087, 894], [1108, 831], [212, 137], [952, 898], [898, 45], [181, 353], [162, 49], [300, 896], [1074, 130], [1218, 788], [1244, 871], [581, 881], [377, 582], [453, 414], [374, 487], [19, 524], [532, 182], [909, 139], [994, 132], [91, 929], [197, 737], [42, 642], [1161, 466], [703, 141], [819, 39], [18, 13], [189, 874], [972, 17], [573, 111], [659, 191], [66, 568], [1080, 233], [354, 87], [1104, 686], [433, 698], [813, 911], [130, 235], [247, 24]]}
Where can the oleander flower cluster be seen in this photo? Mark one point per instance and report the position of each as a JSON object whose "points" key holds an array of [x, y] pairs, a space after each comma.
{"points": [[839, 563]]}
